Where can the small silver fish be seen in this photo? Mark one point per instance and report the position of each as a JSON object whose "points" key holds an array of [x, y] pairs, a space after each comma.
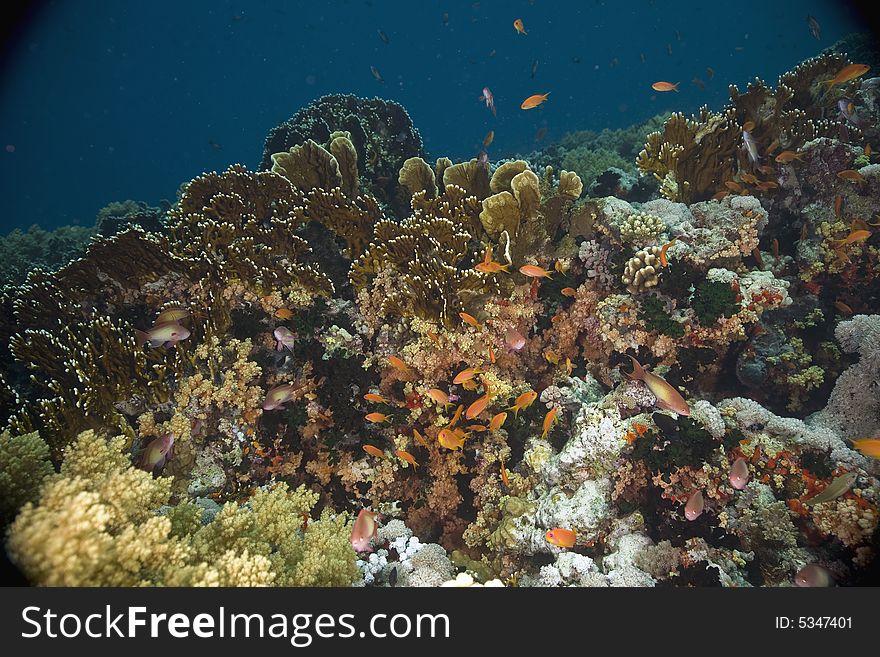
{"points": [[751, 147], [534, 68], [376, 74], [837, 487], [383, 36]]}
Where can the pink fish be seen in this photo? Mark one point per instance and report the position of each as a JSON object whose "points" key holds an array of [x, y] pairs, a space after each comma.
{"points": [[813, 575], [162, 335], [156, 452], [278, 396], [514, 340], [739, 474], [490, 100], [694, 507], [285, 338], [364, 531]]}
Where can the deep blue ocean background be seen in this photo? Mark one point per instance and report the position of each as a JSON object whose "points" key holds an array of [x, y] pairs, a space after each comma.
{"points": [[105, 101]]}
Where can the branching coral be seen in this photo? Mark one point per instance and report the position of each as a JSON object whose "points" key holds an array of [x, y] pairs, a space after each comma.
{"points": [[96, 525], [24, 463]]}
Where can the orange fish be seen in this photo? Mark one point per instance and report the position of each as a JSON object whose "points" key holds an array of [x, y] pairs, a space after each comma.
{"points": [[665, 86], [451, 439], [491, 355], [766, 169], [518, 26], [492, 267], [284, 313], [465, 375], [748, 178], [756, 254], [549, 419], [569, 292], [867, 150], [504, 474], [868, 447], [564, 538], [476, 427], [406, 456], [420, 438], [533, 271], [434, 337], [533, 101], [842, 307], [667, 396], [775, 247], [469, 319], [457, 416], [764, 185], [664, 262], [569, 368], [846, 74], [772, 147], [374, 451], [732, 186], [787, 156], [376, 417], [720, 195], [399, 364], [838, 205], [439, 396], [477, 407], [373, 397], [497, 421], [748, 126], [853, 237], [559, 267], [851, 174], [490, 137], [523, 401]]}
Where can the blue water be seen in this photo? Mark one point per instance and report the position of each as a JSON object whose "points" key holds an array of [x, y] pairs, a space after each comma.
{"points": [[106, 101]]}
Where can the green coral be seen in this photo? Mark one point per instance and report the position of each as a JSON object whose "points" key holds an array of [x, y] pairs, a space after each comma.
{"points": [[653, 313], [713, 300], [24, 463], [97, 524]]}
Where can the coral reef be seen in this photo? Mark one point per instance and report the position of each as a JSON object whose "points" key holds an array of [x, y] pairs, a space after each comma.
{"points": [[501, 381]]}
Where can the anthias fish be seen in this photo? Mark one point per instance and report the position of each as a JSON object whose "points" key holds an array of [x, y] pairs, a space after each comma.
{"points": [[162, 335], [667, 396], [284, 337], [157, 452], [533, 101], [561, 537], [278, 396], [364, 531], [665, 86]]}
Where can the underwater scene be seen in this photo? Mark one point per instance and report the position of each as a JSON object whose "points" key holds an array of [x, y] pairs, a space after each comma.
{"points": [[394, 294]]}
